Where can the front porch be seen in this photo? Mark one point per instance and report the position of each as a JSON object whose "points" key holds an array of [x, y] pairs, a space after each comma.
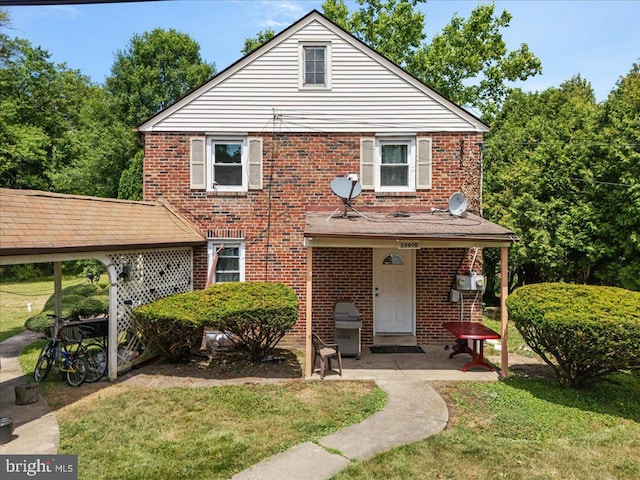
{"points": [[401, 271], [434, 365]]}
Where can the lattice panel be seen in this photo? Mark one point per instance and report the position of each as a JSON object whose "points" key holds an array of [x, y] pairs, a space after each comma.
{"points": [[142, 278]]}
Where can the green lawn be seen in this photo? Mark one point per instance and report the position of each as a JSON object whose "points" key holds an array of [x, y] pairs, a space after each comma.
{"points": [[521, 428], [524, 429], [14, 300]]}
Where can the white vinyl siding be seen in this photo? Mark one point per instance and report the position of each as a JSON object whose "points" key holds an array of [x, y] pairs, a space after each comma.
{"points": [[367, 94]]}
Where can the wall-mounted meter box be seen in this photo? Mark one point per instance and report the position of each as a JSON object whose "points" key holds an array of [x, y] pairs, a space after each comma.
{"points": [[470, 282]]}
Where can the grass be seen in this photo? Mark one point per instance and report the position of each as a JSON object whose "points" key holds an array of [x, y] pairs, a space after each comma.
{"points": [[515, 342], [524, 428], [521, 428], [14, 300], [205, 433]]}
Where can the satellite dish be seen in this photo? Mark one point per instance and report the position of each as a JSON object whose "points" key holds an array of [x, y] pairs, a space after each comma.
{"points": [[457, 204], [346, 188]]}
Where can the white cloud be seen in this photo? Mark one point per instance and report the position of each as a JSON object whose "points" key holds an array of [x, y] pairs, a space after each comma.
{"points": [[278, 14], [56, 12]]}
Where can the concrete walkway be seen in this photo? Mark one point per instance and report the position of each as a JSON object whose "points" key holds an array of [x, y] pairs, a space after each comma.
{"points": [[413, 411], [35, 428]]}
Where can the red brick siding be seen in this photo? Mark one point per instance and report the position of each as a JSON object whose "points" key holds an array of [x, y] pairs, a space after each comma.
{"points": [[301, 167]]}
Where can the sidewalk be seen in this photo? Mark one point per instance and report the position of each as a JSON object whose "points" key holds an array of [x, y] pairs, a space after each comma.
{"points": [[35, 428], [414, 411]]}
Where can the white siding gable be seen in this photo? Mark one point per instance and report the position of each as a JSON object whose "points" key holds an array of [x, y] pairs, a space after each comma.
{"points": [[261, 93]]}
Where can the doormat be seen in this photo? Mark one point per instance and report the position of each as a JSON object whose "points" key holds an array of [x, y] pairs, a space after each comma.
{"points": [[397, 349]]}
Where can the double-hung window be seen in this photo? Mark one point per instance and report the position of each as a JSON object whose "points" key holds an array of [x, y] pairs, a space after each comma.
{"points": [[395, 164], [230, 262], [228, 160], [315, 65]]}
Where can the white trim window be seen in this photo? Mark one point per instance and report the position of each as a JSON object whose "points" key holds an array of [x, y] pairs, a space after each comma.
{"points": [[315, 65], [227, 162], [395, 164], [230, 265]]}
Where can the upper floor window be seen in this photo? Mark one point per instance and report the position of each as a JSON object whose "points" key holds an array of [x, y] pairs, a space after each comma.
{"points": [[395, 164], [228, 159], [225, 163], [315, 65]]}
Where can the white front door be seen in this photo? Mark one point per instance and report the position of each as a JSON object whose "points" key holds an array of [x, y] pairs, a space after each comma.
{"points": [[394, 291]]}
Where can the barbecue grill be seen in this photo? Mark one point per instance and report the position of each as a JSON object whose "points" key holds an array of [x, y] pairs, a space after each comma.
{"points": [[348, 326]]}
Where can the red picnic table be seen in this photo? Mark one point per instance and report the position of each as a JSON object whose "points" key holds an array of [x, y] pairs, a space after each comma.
{"points": [[471, 331]]}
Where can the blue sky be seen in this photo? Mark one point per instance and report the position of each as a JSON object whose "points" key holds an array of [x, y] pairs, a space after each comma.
{"points": [[599, 40]]}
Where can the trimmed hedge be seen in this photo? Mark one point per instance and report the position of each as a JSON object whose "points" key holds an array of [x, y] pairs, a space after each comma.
{"points": [[78, 301], [583, 332], [256, 315]]}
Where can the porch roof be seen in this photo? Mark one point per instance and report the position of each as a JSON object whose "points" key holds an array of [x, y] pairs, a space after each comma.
{"points": [[35, 222], [408, 228]]}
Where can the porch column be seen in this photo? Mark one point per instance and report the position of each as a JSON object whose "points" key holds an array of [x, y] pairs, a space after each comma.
{"points": [[57, 296], [504, 315], [308, 367]]}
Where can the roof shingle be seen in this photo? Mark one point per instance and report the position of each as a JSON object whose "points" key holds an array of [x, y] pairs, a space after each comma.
{"points": [[35, 222]]}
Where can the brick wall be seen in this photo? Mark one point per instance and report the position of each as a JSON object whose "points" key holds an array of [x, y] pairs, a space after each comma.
{"points": [[297, 171]]}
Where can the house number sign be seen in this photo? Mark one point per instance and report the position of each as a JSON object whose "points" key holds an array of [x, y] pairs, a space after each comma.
{"points": [[409, 244]]}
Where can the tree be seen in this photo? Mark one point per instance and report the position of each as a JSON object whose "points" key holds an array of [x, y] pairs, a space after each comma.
{"points": [[250, 44], [392, 28], [155, 70], [158, 68], [539, 144], [39, 111], [615, 184], [103, 148], [468, 62]]}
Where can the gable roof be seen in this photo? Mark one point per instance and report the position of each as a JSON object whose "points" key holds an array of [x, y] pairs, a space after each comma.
{"points": [[34, 222], [245, 84]]}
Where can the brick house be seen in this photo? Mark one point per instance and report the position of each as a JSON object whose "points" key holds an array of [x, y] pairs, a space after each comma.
{"points": [[250, 156]]}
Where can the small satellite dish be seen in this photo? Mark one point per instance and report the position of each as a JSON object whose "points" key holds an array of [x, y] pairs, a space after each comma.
{"points": [[457, 204], [346, 188]]}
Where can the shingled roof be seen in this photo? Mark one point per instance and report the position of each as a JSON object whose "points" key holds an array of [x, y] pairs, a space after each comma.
{"points": [[34, 222], [392, 224]]}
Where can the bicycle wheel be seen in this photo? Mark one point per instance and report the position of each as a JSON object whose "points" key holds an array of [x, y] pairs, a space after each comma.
{"points": [[95, 357], [77, 372], [43, 365]]}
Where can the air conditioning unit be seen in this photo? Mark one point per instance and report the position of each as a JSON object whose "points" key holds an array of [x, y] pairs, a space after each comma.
{"points": [[470, 282]]}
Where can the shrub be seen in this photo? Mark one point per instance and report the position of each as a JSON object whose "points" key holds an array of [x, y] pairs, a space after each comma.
{"points": [[78, 301], [256, 315], [583, 332]]}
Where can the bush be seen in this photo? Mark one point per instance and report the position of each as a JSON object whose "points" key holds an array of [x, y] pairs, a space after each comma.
{"points": [[256, 315], [583, 332], [78, 301]]}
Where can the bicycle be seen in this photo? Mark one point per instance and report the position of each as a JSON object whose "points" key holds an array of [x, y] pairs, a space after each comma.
{"points": [[56, 351], [93, 355]]}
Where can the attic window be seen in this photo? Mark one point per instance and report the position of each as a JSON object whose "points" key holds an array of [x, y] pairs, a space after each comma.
{"points": [[315, 63]]}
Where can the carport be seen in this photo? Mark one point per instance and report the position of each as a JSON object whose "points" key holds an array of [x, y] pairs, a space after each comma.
{"points": [[146, 249]]}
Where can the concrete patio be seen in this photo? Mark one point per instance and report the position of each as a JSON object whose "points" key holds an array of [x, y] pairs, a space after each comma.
{"points": [[433, 365]]}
